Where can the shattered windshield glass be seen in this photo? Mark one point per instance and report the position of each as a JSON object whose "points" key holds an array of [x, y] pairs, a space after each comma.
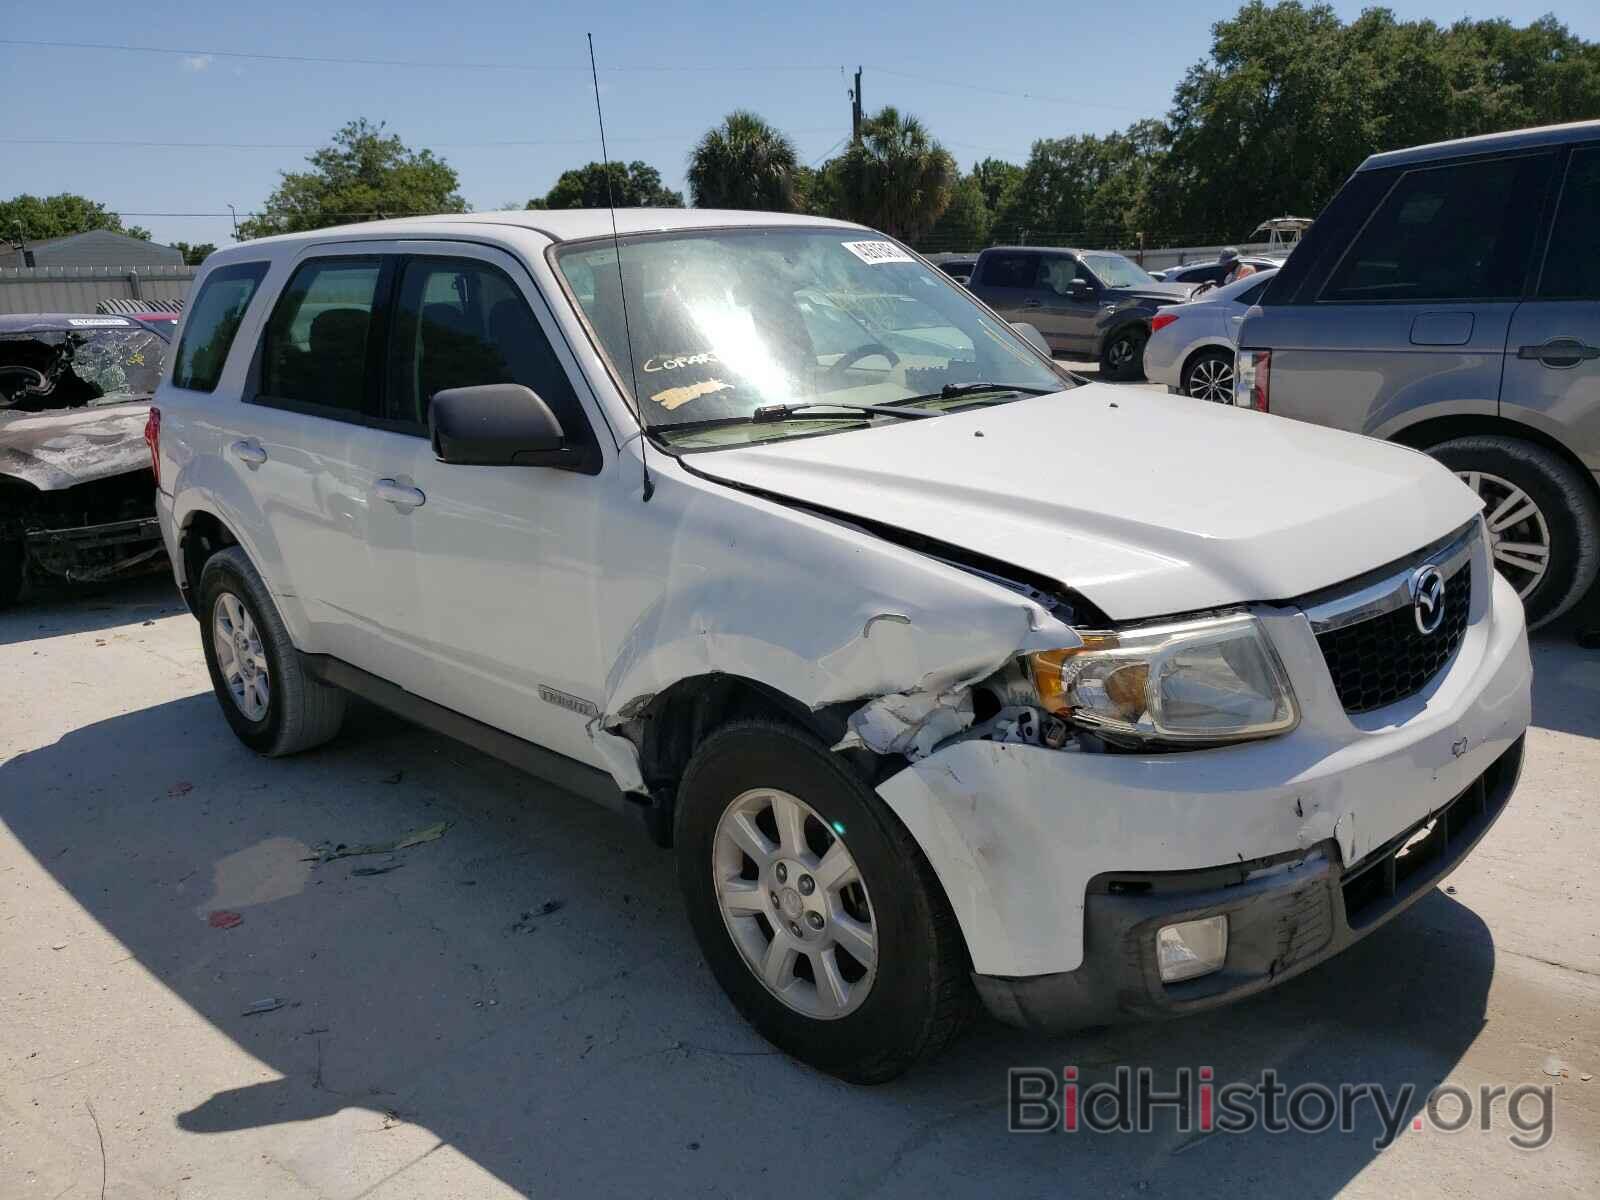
{"points": [[47, 369], [728, 322]]}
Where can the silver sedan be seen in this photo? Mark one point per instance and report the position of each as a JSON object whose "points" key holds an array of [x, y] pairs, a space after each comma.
{"points": [[1191, 344]]}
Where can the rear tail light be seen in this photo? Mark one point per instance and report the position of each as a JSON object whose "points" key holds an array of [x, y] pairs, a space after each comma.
{"points": [[152, 438], [1252, 387], [1161, 320]]}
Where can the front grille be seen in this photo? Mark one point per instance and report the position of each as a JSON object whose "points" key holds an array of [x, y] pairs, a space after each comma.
{"points": [[1386, 658]]}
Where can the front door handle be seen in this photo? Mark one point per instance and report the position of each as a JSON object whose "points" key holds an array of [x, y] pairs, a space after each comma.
{"points": [[399, 495], [1560, 352], [249, 452], [1032, 304]]}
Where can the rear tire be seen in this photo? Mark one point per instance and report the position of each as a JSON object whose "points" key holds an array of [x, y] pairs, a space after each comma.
{"points": [[917, 987], [270, 702], [1122, 357], [1209, 376], [1559, 525]]}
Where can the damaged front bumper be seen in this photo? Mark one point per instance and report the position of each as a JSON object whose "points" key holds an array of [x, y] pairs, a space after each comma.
{"points": [[1275, 833], [1284, 916], [94, 553]]}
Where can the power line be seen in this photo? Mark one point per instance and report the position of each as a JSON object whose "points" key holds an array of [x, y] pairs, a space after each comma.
{"points": [[410, 62], [662, 137], [1033, 96]]}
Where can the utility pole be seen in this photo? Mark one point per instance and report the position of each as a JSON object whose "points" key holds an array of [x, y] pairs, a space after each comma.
{"points": [[855, 109]]}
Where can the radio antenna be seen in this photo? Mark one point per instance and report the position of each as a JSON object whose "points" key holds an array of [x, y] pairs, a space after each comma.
{"points": [[622, 287]]}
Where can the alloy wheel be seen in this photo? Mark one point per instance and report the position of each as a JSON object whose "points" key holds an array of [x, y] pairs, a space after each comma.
{"points": [[1212, 379], [794, 903], [1121, 352], [1519, 537], [240, 656]]}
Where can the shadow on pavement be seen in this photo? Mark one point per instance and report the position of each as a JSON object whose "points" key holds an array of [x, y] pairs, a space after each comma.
{"points": [[586, 1049], [1566, 691], [64, 609]]}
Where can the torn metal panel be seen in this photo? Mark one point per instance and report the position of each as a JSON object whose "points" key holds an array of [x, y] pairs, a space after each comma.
{"points": [[909, 725], [62, 448]]}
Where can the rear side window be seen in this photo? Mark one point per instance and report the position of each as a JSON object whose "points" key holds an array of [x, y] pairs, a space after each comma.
{"points": [[1010, 270], [314, 351], [460, 323], [1461, 232], [213, 320], [1572, 264]]}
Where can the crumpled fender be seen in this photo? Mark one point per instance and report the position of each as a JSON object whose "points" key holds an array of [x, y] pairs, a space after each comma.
{"points": [[61, 448]]}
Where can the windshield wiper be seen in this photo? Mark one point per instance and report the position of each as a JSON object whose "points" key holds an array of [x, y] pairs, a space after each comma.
{"points": [[951, 390], [782, 412]]}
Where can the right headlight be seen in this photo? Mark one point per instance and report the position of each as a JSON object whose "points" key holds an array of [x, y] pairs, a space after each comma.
{"points": [[1211, 680]]}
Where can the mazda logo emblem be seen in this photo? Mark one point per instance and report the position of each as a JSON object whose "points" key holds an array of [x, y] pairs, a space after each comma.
{"points": [[1427, 599]]}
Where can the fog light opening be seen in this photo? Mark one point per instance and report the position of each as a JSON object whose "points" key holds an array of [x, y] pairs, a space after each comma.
{"points": [[1190, 949]]}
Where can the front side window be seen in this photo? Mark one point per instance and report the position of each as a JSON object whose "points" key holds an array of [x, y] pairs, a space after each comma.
{"points": [[1058, 273], [315, 347], [461, 323], [1461, 232], [1572, 264], [213, 320], [728, 323]]}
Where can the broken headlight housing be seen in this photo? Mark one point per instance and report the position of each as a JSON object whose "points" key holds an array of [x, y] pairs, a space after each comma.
{"points": [[1191, 682]]}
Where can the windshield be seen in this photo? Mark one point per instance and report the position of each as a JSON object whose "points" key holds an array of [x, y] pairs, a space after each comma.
{"points": [[1113, 270], [728, 322], [47, 369]]}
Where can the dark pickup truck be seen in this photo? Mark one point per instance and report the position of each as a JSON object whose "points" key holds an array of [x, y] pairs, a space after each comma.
{"points": [[1092, 304]]}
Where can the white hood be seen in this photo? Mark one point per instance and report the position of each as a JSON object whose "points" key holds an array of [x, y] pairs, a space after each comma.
{"points": [[1147, 504]]}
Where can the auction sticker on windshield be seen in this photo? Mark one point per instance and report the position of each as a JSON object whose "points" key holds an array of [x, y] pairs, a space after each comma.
{"points": [[877, 252]]}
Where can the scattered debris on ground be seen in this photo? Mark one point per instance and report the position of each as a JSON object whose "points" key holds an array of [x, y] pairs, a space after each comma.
{"points": [[327, 854], [526, 922], [223, 919], [270, 1004], [182, 788], [380, 869]]}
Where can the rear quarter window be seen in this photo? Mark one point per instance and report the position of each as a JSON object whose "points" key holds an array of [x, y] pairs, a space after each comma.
{"points": [[213, 320]]}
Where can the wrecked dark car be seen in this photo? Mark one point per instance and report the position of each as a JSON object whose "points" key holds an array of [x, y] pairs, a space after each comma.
{"points": [[76, 492]]}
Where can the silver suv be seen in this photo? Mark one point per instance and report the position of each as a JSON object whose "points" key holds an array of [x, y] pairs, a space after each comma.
{"points": [[1449, 299]]}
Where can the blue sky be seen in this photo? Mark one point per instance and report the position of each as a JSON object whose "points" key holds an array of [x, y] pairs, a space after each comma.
{"points": [[1101, 65]]}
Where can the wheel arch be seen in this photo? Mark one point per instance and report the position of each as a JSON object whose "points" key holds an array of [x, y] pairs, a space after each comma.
{"points": [[1431, 431], [1197, 351], [668, 726], [201, 534]]}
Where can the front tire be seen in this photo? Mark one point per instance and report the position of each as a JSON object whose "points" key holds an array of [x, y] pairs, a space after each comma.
{"points": [[1544, 522], [269, 701], [1122, 357], [815, 908]]}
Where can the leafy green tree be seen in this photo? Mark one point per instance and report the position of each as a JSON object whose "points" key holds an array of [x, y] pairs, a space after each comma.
{"points": [[634, 185], [897, 178], [743, 163], [999, 181], [30, 218], [194, 255], [964, 225], [366, 174]]}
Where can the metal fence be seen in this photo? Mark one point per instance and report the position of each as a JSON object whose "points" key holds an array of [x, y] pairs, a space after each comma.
{"points": [[79, 289]]}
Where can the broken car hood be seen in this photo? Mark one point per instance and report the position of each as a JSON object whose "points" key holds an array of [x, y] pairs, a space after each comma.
{"points": [[1147, 504], [66, 446]]}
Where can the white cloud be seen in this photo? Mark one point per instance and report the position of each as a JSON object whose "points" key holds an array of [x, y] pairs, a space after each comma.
{"points": [[197, 62]]}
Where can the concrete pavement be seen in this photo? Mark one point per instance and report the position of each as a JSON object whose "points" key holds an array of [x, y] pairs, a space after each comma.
{"points": [[441, 1034]]}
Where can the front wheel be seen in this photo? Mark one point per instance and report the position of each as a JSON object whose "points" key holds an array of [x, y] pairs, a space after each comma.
{"points": [[1123, 355], [1544, 522], [814, 907]]}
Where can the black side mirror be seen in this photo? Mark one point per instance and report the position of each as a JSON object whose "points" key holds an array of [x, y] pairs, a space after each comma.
{"points": [[496, 425]]}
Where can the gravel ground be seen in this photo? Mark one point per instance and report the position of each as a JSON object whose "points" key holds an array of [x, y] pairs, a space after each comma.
{"points": [[442, 1034]]}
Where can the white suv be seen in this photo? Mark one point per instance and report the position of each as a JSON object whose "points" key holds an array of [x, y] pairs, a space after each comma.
{"points": [[947, 675]]}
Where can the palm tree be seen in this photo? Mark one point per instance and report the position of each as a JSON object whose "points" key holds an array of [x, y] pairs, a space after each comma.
{"points": [[896, 177], [743, 163]]}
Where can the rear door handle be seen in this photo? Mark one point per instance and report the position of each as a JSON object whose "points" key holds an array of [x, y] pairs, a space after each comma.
{"points": [[399, 495], [249, 452], [1032, 304], [1560, 352]]}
